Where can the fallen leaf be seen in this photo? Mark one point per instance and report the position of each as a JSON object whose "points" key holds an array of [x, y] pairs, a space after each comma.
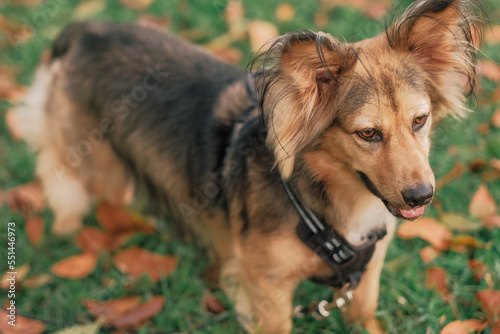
{"points": [[321, 20], [76, 266], [456, 222], [140, 314], [137, 4], [495, 163], [467, 241], [438, 235], [211, 274], [482, 204], [34, 229], [12, 123], [136, 261], [490, 299], [490, 70], [260, 34], [436, 279], [495, 119], [117, 219], [92, 240], [478, 268], [495, 329], [428, 254], [454, 173], [113, 309], [211, 304], [285, 12], [464, 327], [90, 328], [20, 274], [37, 281], [25, 197], [23, 325], [483, 128], [234, 12], [88, 9], [492, 35], [492, 221]]}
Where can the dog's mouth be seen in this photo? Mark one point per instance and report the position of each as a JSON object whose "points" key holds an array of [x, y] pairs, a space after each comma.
{"points": [[408, 214]]}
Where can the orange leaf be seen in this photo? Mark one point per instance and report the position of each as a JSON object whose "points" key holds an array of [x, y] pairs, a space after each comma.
{"points": [[491, 303], [436, 279], [92, 240], [438, 235], [34, 228], [492, 35], [495, 119], [490, 70], [25, 197], [482, 204], [454, 173], [211, 304], [23, 325], [76, 266], [136, 261], [478, 268], [492, 221], [21, 273], [428, 254], [464, 327], [117, 219], [137, 4], [495, 329], [140, 314], [260, 33], [235, 12], [113, 309], [12, 123], [285, 12], [37, 281]]}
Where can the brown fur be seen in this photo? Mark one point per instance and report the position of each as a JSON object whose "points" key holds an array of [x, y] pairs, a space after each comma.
{"points": [[164, 112]]}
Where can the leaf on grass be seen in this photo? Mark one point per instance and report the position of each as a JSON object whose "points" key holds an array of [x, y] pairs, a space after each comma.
{"points": [[234, 12], [492, 221], [91, 328], [260, 33], [137, 4], [88, 9], [459, 242], [76, 266], [211, 304], [436, 280], [438, 235], [457, 170], [428, 254], [285, 12], [478, 268], [21, 273], [34, 229], [464, 327], [456, 222], [12, 123], [477, 165], [490, 299], [489, 69], [25, 197], [495, 119], [482, 204], [113, 309], [92, 240], [116, 219], [492, 35], [23, 325], [136, 261], [140, 314], [37, 281]]}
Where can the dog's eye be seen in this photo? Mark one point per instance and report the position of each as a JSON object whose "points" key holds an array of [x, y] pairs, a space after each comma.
{"points": [[419, 122], [370, 135]]}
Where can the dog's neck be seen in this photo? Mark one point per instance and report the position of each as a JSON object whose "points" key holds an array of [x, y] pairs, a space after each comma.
{"points": [[336, 193]]}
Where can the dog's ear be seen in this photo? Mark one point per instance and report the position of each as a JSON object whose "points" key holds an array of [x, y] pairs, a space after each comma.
{"points": [[298, 86], [444, 35]]}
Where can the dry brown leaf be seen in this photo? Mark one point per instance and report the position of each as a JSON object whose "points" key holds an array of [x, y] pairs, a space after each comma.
{"points": [[37, 281], [25, 197], [12, 123], [495, 163], [140, 314], [490, 299], [492, 221], [34, 229], [456, 222], [465, 241], [136, 261], [490, 70], [9, 88], [454, 173], [23, 325], [76, 266], [428, 254], [495, 119], [492, 35], [482, 204], [211, 304], [137, 4], [438, 235], [117, 219], [21, 273], [260, 34], [478, 268], [92, 240], [285, 12], [464, 327], [436, 279], [112, 309], [495, 329]]}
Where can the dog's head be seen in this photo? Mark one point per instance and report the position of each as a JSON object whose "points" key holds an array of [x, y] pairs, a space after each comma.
{"points": [[370, 105]]}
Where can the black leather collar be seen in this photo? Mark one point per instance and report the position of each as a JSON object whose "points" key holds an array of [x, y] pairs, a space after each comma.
{"points": [[347, 261]]}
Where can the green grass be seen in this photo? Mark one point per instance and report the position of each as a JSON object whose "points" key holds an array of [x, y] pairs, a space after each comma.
{"points": [[405, 304]]}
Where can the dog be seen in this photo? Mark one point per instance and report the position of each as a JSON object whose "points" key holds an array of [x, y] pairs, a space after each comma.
{"points": [[298, 171]]}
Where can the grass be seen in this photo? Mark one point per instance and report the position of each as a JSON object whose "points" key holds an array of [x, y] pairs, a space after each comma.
{"points": [[405, 304]]}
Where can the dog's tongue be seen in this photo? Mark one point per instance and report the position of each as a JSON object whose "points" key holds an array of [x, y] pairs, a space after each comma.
{"points": [[412, 213]]}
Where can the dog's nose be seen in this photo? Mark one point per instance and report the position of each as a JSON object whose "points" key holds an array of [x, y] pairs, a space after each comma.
{"points": [[419, 196]]}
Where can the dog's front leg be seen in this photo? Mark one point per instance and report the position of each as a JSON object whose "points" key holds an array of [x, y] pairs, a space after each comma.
{"points": [[365, 299]]}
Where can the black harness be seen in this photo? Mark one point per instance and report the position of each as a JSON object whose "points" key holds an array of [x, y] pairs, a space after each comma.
{"points": [[347, 261]]}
